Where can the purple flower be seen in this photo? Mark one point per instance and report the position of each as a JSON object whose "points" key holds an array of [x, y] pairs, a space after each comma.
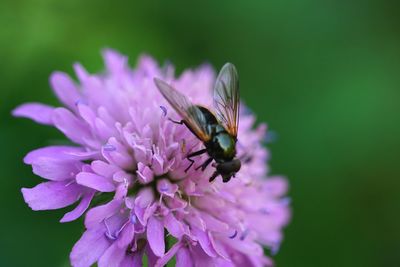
{"points": [[130, 158]]}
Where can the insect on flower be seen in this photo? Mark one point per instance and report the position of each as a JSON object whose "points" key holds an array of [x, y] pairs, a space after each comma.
{"points": [[217, 131]]}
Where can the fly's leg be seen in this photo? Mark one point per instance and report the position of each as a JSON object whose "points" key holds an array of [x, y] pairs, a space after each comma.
{"points": [[215, 174], [183, 122], [194, 154], [204, 165], [246, 158], [176, 122]]}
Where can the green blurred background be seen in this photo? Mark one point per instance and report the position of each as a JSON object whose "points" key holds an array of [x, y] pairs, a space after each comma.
{"points": [[323, 74]]}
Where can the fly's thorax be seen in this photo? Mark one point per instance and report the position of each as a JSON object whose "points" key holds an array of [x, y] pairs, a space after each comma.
{"points": [[222, 146]]}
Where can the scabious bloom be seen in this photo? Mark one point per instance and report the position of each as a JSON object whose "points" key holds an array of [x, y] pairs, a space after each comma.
{"points": [[127, 163]]}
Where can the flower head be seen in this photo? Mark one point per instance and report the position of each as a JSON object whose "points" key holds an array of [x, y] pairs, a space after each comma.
{"points": [[128, 164]]}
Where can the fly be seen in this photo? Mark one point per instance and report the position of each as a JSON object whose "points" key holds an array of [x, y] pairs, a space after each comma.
{"points": [[218, 131]]}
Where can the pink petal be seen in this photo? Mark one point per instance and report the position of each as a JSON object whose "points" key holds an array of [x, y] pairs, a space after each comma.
{"points": [[96, 215], [158, 164], [173, 226], [80, 72], [201, 258], [35, 111], [60, 152], [56, 169], [145, 174], [51, 195], [84, 155], [95, 181], [275, 186], [79, 210], [155, 236], [151, 257], [183, 258], [115, 62], [104, 169], [126, 235], [168, 256], [65, 89], [218, 247], [89, 248], [117, 153], [204, 241], [128, 261], [137, 259], [144, 199], [87, 114], [165, 187], [71, 126], [103, 130], [214, 224], [113, 256], [247, 248]]}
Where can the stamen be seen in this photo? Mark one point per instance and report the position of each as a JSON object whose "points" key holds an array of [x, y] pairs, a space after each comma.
{"points": [[71, 182], [183, 146], [133, 219], [286, 201], [275, 248], [108, 233], [244, 234], [246, 110], [126, 183], [80, 101], [122, 228], [234, 235], [164, 110], [164, 187], [109, 147], [270, 137], [265, 211]]}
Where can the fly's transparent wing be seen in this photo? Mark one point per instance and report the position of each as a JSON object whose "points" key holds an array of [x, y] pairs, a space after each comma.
{"points": [[226, 98], [190, 113]]}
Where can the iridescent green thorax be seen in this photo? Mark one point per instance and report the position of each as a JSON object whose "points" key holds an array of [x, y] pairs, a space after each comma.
{"points": [[222, 145], [227, 145]]}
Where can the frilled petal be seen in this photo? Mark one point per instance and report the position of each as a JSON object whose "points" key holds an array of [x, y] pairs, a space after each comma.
{"points": [[89, 248], [155, 236], [95, 181], [65, 89], [51, 195], [80, 209], [35, 111]]}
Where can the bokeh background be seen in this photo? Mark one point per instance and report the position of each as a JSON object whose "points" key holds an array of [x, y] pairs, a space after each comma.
{"points": [[324, 75]]}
